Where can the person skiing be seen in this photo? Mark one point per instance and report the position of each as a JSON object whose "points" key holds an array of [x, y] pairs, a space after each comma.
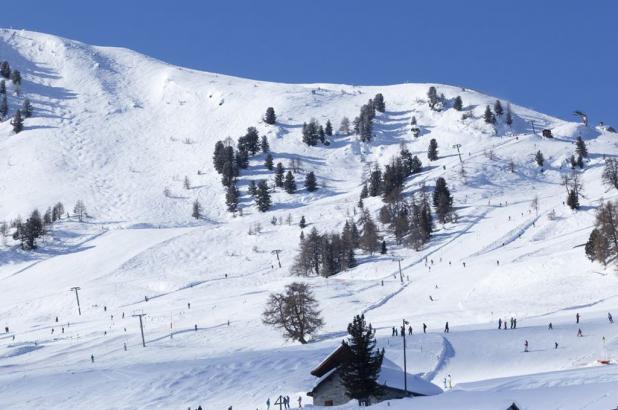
{"points": [[577, 318], [410, 330], [195, 327], [450, 382], [514, 323], [300, 402], [430, 298], [424, 328], [268, 403], [526, 346], [499, 323], [504, 324], [446, 329], [579, 333], [555, 345], [511, 322], [393, 331], [550, 327], [610, 318], [445, 383], [92, 358]]}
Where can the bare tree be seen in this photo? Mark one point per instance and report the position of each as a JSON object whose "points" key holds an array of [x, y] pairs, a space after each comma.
{"points": [[80, 210], [610, 173], [295, 311]]}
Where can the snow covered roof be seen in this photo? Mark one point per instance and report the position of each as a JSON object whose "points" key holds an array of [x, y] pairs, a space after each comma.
{"points": [[391, 375]]}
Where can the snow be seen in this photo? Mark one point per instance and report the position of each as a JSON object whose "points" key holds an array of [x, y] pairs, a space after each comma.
{"points": [[115, 128]]}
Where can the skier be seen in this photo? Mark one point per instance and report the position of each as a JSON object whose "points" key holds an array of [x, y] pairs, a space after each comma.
{"points": [[550, 327], [579, 333], [464, 264], [498, 262], [577, 318], [430, 298], [125, 346], [393, 331], [446, 329], [195, 327], [56, 319], [555, 345], [499, 323], [526, 346], [504, 324], [450, 382], [268, 403], [6, 329], [610, 318], [92, 358], [300, 402], [189, 305], [410, 330], [424, 328], [515, 323], [445, 383]]}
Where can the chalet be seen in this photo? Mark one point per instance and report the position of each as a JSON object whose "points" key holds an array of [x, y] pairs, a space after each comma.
{"points": [[329, 389]]}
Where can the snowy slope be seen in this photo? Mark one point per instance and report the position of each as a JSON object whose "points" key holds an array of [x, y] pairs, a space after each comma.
{"points": [[115, 128]]}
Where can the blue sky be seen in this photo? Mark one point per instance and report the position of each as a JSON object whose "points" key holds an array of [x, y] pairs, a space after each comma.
{"points": [[554, 56]]}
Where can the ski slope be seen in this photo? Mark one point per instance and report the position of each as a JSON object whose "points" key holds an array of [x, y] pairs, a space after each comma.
{"points": [[116, 128]]}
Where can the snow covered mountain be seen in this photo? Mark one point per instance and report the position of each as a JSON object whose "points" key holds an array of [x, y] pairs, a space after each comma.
{"points": [[116, 129]]}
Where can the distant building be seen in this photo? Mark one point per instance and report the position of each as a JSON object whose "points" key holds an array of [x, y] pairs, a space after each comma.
{"points": [[329, 389], [547, 133]]}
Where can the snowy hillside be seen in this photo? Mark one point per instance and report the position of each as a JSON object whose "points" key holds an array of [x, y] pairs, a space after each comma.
{"points": [[116, 129]]}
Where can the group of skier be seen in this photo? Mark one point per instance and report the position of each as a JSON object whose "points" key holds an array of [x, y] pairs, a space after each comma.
{"points": [[285, 401], [513, 324]]}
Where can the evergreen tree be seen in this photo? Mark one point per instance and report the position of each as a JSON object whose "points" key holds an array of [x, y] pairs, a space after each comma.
{"points": [[310, 182], [580, 162], [378, 103], [580, 147], [302, 222], [442, 201], [30, 231], [383, 250], [252, 189], [228, 173], [498, 108], [262, 200], [432, 95], [539, 158], [375, 181], [268, 162], [47, 217], [413, 121], [509, 116], [458, 103], [242, 158], [57, 211], [369, 238], [231, 198], [2, 87], [365, 191], [16, 78], [360, 373], [279, 173], [321, 134], [197, 210], [289, 184], [328, 129], [489, 116], [5, 70], [4, 107], [270, 117], [432, 151], [264, 144], [17, 123], [311, 132], [251, 140], [26, 108], [573, 199]]}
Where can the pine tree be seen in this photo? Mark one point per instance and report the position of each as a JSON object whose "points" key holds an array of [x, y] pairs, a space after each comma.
{"points": [[252, 189], [498, 108], [279, 173], [17, 123], [360, 373], [26, 108], [383, 250], [231, 198], [375, 181], [57, 211], [270, 117], [2, 87], [344, 127], [264, 144], [303, 223], [573, 199], [16, 78], [458, 103], [4, 107], [47, 217], [378, 103], [242, 158], [5, 70], [197, 210], [509, 116], [289, 184], [369, 238], [268, 162], [580, 162], [539, 158], [365, 191], [263, 201], [413, 121], [489, 116], [432, 95], [251, 139], [219, 156], [310, 182], [580, 147], [432, 151], [328, 129], [442, 201], [30, 231]]}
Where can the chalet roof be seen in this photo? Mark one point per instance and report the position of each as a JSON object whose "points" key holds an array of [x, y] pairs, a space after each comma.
{"points": [[332, 361]]}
